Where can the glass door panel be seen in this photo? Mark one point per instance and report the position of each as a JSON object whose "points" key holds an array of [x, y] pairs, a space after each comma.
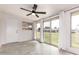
{"points": [[47, 31], [75, 30], [38, 31], [54, 31]]}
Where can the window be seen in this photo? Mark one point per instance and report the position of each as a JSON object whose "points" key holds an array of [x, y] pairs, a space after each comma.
{"points": [[26, 26], [75, 29]]}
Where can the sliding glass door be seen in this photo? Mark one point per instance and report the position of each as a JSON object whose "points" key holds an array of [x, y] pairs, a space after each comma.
{"points": [[38, 31], [54, 31], [47, 31], [51, 30], [75, 30], [74, 38]]}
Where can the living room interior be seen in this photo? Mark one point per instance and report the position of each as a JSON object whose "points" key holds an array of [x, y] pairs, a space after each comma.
{"points": [[39, 29]]}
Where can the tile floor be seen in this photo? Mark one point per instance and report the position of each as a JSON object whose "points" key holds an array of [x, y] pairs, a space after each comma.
{"points": [[28, 48]]}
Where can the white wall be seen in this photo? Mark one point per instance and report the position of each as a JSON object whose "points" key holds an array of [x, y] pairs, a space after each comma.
{"points": [[34, 30], [64, 31], [24, 35], [2, 29], [10, 29]]}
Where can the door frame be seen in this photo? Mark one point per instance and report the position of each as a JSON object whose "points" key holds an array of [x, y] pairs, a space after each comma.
{"points": [[50, 19], [74, 50]]}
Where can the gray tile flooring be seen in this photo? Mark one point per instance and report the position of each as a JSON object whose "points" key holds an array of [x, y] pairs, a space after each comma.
{"points": [[28, 48]]}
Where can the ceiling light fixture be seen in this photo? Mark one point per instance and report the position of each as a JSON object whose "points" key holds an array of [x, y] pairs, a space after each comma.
{"points": [[33, 14]]}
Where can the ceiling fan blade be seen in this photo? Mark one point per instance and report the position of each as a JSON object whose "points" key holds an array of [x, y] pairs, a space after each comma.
{"points": [[41, 12], [29, 14], [25, 9], [35, 7], [36, 15]]}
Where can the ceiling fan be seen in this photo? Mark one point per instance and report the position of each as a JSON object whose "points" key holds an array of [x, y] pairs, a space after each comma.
{"points": [[33, 11]]}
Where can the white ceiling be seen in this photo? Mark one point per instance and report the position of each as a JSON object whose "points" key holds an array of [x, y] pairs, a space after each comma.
{"points": [[49, 8]]}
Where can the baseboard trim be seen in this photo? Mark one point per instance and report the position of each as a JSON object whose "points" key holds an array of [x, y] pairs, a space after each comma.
{"points": [[15, 42], [62, 50]]}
